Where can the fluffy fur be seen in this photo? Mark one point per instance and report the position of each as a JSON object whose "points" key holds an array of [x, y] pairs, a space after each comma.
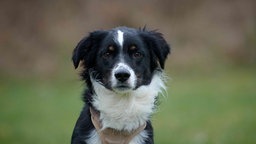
{"points": [[122, 68]]}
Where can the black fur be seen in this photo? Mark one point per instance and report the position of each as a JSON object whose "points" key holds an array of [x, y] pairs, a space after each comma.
{"points": [[89, 52]]}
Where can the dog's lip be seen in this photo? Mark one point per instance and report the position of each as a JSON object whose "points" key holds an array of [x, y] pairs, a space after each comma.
{"points": [[122, 87]]}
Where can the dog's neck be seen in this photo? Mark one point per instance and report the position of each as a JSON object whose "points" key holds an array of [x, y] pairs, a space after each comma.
{"points": [[126, 112], [110, 135]]}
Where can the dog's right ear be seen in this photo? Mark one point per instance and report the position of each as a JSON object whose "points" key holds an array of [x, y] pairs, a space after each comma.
{"points": [[84, 48], [80, 51]]}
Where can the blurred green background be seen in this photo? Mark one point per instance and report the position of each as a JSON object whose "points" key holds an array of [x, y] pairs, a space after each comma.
{"points": [[212, 85]]}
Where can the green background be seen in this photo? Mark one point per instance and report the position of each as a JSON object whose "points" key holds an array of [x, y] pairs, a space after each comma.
{"points": [[211, 95]]}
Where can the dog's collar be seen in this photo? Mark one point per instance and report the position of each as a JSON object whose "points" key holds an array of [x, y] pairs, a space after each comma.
{"points": [[110, 135]]}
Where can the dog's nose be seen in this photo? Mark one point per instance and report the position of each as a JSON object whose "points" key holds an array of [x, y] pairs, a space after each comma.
{"points": [[122, 75]]}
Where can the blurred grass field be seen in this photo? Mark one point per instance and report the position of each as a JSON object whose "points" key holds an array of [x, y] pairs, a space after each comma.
{"points": [[212, 89], [217, 108]]}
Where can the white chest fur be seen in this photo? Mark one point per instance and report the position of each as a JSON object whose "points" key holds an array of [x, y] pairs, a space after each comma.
{"points": [[95, 139], [127, 111]]}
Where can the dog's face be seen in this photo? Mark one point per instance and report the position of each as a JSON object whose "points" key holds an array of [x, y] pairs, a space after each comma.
{"points": [[121, 59]]}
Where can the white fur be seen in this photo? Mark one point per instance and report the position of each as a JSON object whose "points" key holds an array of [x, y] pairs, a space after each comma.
{"points": [[95, 139], [132, 79], [139, 139], [129, 110], [120, 37]]}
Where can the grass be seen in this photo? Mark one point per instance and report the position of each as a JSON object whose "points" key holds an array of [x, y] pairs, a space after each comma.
{"points": [[216, 109], [200, 109]]}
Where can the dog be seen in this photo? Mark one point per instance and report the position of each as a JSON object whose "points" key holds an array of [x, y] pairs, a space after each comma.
{"points": [[123, 71]]}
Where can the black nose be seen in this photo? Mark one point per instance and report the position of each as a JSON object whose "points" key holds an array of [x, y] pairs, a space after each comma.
{"points": [[122, 75]]}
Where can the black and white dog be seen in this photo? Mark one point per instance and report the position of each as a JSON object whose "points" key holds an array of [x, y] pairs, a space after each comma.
{"points": [[122, 68]]}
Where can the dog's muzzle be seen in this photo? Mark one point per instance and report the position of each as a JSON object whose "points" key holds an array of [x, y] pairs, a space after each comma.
{"points": [[123, 78], [122, 74]]}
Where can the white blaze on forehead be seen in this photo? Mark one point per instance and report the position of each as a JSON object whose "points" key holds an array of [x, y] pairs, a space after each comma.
{"points": [[120, 37]]}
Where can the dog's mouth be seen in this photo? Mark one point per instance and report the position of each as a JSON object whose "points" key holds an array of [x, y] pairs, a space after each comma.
{"points": [[122, 88]]}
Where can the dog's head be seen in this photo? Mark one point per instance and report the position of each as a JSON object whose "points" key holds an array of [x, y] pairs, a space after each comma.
{"points": [[121, 59]]}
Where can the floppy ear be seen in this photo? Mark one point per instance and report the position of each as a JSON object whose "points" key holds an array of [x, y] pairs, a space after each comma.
{"points": [[85, 47], [157, 44], [81, 49]]}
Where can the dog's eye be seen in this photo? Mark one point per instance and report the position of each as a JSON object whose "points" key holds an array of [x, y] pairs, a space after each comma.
{"points": [[137, 55], [106, 55], [109, 52]]}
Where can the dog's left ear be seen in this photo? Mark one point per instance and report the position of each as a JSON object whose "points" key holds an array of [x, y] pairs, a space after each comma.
{"points": [[85, 48], [157, 45]]}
